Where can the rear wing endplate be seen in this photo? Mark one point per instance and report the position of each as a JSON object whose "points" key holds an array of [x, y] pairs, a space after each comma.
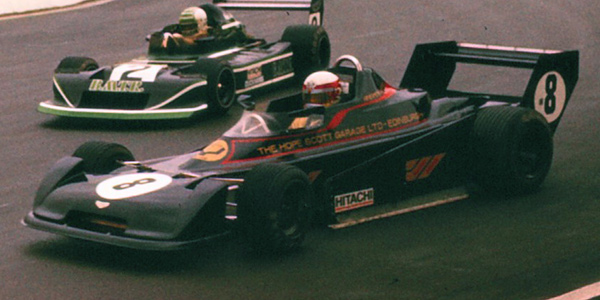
{"points": [[552, 81], [315, 8]]}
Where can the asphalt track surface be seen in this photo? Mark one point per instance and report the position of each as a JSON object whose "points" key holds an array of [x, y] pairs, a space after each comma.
{"points": [[486, 247]]}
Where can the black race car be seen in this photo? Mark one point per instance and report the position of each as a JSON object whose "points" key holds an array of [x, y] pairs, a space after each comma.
{"points": [[375, 151], [178, 81]]}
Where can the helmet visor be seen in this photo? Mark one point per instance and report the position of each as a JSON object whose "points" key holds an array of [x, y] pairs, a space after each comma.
{"points": [[324, 97], [189, 29]]}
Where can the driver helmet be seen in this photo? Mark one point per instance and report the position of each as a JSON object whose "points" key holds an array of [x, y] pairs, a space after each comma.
{"points": [[192, 21], [322, 88]]}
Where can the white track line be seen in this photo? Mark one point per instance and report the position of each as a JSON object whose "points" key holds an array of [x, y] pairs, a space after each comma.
{"points": [[584, 293]]}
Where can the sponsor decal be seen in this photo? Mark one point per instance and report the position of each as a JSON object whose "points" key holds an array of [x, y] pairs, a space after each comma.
{"points": [[354, 200], [421, 168], [131, 185], [281, 147], [403, 120], [352, 132], [337, 135], [550, 96], [319, 139], [282, 67], [254, 73], [217, 150], [127, 86], [254, 77], [312, 176], [373, 96]]}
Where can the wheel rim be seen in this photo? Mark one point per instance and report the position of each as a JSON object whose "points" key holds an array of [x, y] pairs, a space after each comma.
{"points": [[225, 89], [289, 217], [532, 154]]}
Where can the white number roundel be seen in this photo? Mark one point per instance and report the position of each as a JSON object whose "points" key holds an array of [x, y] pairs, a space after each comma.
{"points": [[550, 96], [131, 185]]}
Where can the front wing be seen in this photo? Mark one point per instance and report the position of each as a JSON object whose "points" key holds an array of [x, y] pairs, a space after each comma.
{"points": [[145, 244]]}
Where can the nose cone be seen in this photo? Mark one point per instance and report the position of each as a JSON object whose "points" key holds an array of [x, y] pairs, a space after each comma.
{"points": [[148, 205]]}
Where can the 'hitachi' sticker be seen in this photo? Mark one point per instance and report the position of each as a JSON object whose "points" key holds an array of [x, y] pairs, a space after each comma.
{"points": [[354, 200], [132, 185]]}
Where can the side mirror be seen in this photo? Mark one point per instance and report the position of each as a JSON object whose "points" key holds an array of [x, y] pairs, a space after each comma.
{"points": [[246, 102]]}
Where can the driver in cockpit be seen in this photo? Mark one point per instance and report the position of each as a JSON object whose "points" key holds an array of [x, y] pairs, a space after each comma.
{"points": [[193, 24], [320, 89], [323, 88]]}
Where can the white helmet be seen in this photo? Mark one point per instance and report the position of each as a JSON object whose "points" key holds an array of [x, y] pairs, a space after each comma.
{"points": [[192, 20], [323, 88]]}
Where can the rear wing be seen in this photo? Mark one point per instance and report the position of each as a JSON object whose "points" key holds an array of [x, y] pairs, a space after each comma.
{"points": [[315, 8], [552, 81]]}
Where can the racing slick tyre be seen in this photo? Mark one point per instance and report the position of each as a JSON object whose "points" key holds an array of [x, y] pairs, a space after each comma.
{"points": [[220, 84], [76, 64], [102, 157], [311, 48], [273, 211], [512, 149]]}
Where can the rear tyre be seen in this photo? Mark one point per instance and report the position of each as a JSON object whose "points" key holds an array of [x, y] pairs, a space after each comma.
{"points": [[220, 84], [76, 64], [311, 48], [102, 157], [512, 149], [273, 209]]}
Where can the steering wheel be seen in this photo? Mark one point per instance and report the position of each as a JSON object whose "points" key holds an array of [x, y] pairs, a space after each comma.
{"points": [[348, 58]]}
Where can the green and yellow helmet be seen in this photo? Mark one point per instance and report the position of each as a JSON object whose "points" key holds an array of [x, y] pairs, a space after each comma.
{"points": [[192, 20]]}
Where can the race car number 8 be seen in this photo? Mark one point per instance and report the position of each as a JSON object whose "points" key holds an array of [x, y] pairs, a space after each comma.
{"points": [[550, 100], [131, 185], [127, 185], [550, 96]]}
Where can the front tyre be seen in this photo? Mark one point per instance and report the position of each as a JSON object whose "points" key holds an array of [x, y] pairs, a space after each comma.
{"points": [[273, 209], [512, 149], [76, 64], [221, 86], [102, 157]]}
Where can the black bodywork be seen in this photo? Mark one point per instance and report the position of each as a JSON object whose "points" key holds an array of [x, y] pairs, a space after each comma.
{"points": [[380, 144]]}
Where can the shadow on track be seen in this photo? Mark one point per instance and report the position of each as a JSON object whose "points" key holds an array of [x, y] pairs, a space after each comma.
{"points": [[216, 254], [78, 252]]}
